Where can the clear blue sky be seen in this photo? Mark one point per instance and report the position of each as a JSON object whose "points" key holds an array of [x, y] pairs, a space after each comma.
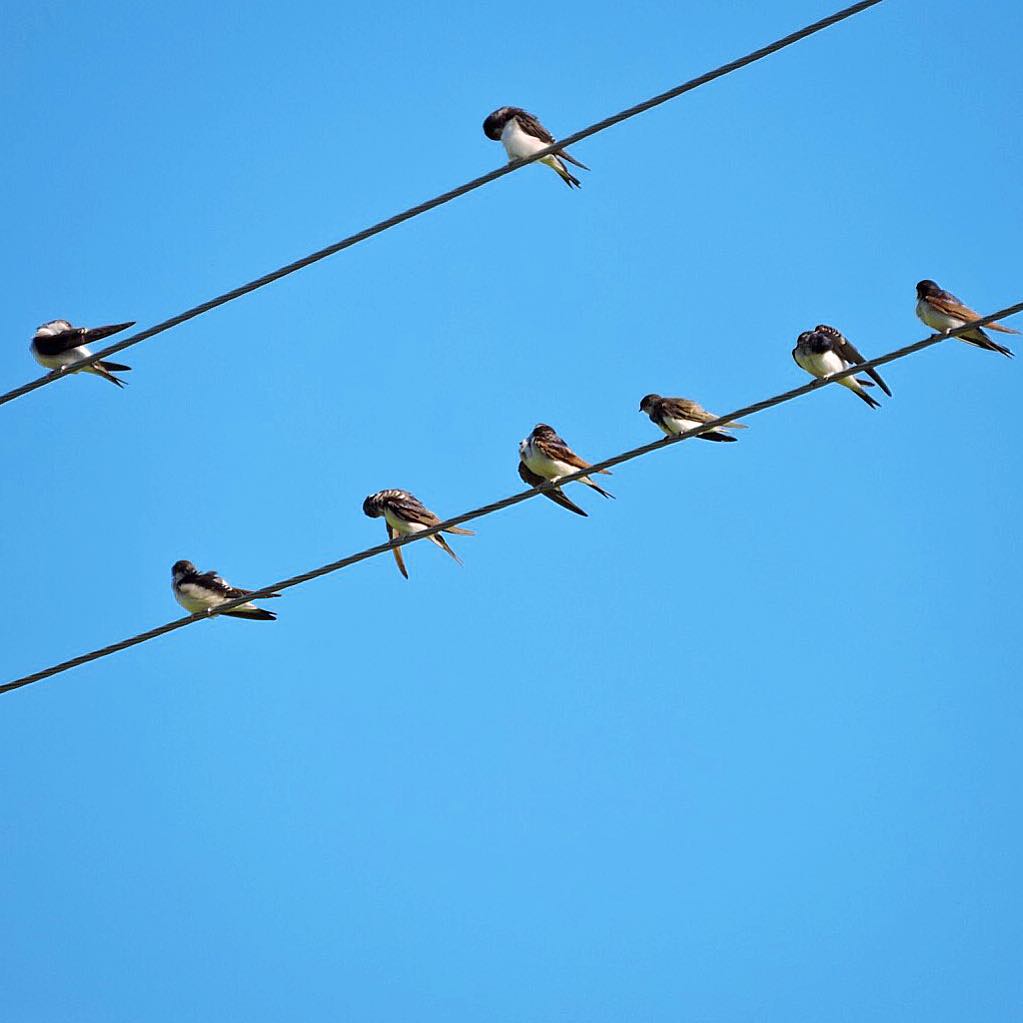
{"points": [[743, 745]]}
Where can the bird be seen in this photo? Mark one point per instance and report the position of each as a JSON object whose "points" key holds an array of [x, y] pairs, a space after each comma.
{"points": [[556, 494], [546, 455], [677, 415], [943, 312], [522, 135], [57, 344], [199, 591], [405, 515], [821, 356]]}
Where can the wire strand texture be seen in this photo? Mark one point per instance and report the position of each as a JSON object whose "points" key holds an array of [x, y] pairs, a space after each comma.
{"points": [[506, 502], [439, 200]]}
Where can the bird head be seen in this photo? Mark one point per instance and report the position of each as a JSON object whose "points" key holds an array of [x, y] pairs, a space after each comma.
{"points": [[495, 122]]}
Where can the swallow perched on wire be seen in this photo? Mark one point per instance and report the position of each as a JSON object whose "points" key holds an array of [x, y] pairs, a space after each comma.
{"points": [[942, 311], [677, 415], [57, 344], [548, 457], [199, 591], [823, 353], [405, 515], [522, 135]]}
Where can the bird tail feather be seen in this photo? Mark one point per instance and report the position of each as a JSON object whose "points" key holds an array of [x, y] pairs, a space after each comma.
{"points": [[255, 614], [564, 173], [100, 370], [571, 159], [853, 385], [987, 343], [599, 489], [439, 540]]}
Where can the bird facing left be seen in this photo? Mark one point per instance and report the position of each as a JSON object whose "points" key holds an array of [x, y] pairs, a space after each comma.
{"points": [[203, 592]]}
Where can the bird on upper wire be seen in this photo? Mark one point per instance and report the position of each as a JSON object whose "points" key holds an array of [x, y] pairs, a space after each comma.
{"points": [[57, 344]]}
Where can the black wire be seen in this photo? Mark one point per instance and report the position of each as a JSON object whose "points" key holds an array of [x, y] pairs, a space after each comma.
{"points": [[506, 502], [440, 200]]}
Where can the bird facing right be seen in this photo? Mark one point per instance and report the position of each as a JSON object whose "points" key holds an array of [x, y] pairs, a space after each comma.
{"points": [[57, 344]]}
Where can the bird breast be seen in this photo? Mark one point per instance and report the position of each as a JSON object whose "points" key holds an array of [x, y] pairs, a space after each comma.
{"points": [[518, 143]]}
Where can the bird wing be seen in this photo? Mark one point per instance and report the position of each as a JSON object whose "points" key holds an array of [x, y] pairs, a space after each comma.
{"points": [[557, 450], [947, 303], [238, 592], [396, 551], [851, 353], [1001, 328], [61, 341], [683, 408], [411, 509], [211, 581], [98, 333], [531, 126]]}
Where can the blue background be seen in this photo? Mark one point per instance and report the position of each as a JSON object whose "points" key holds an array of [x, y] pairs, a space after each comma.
{"points": [[742, 745]]}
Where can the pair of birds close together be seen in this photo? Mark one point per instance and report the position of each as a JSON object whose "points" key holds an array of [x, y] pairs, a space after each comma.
{"points": [[825, 351]]}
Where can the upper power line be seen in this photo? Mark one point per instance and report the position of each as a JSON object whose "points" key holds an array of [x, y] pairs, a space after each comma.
{"points": [[440, 200]]}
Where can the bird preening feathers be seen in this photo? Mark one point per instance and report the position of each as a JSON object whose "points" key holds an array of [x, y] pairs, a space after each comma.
{"points": [[522, 135], [404, 515], [57, 344]]}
